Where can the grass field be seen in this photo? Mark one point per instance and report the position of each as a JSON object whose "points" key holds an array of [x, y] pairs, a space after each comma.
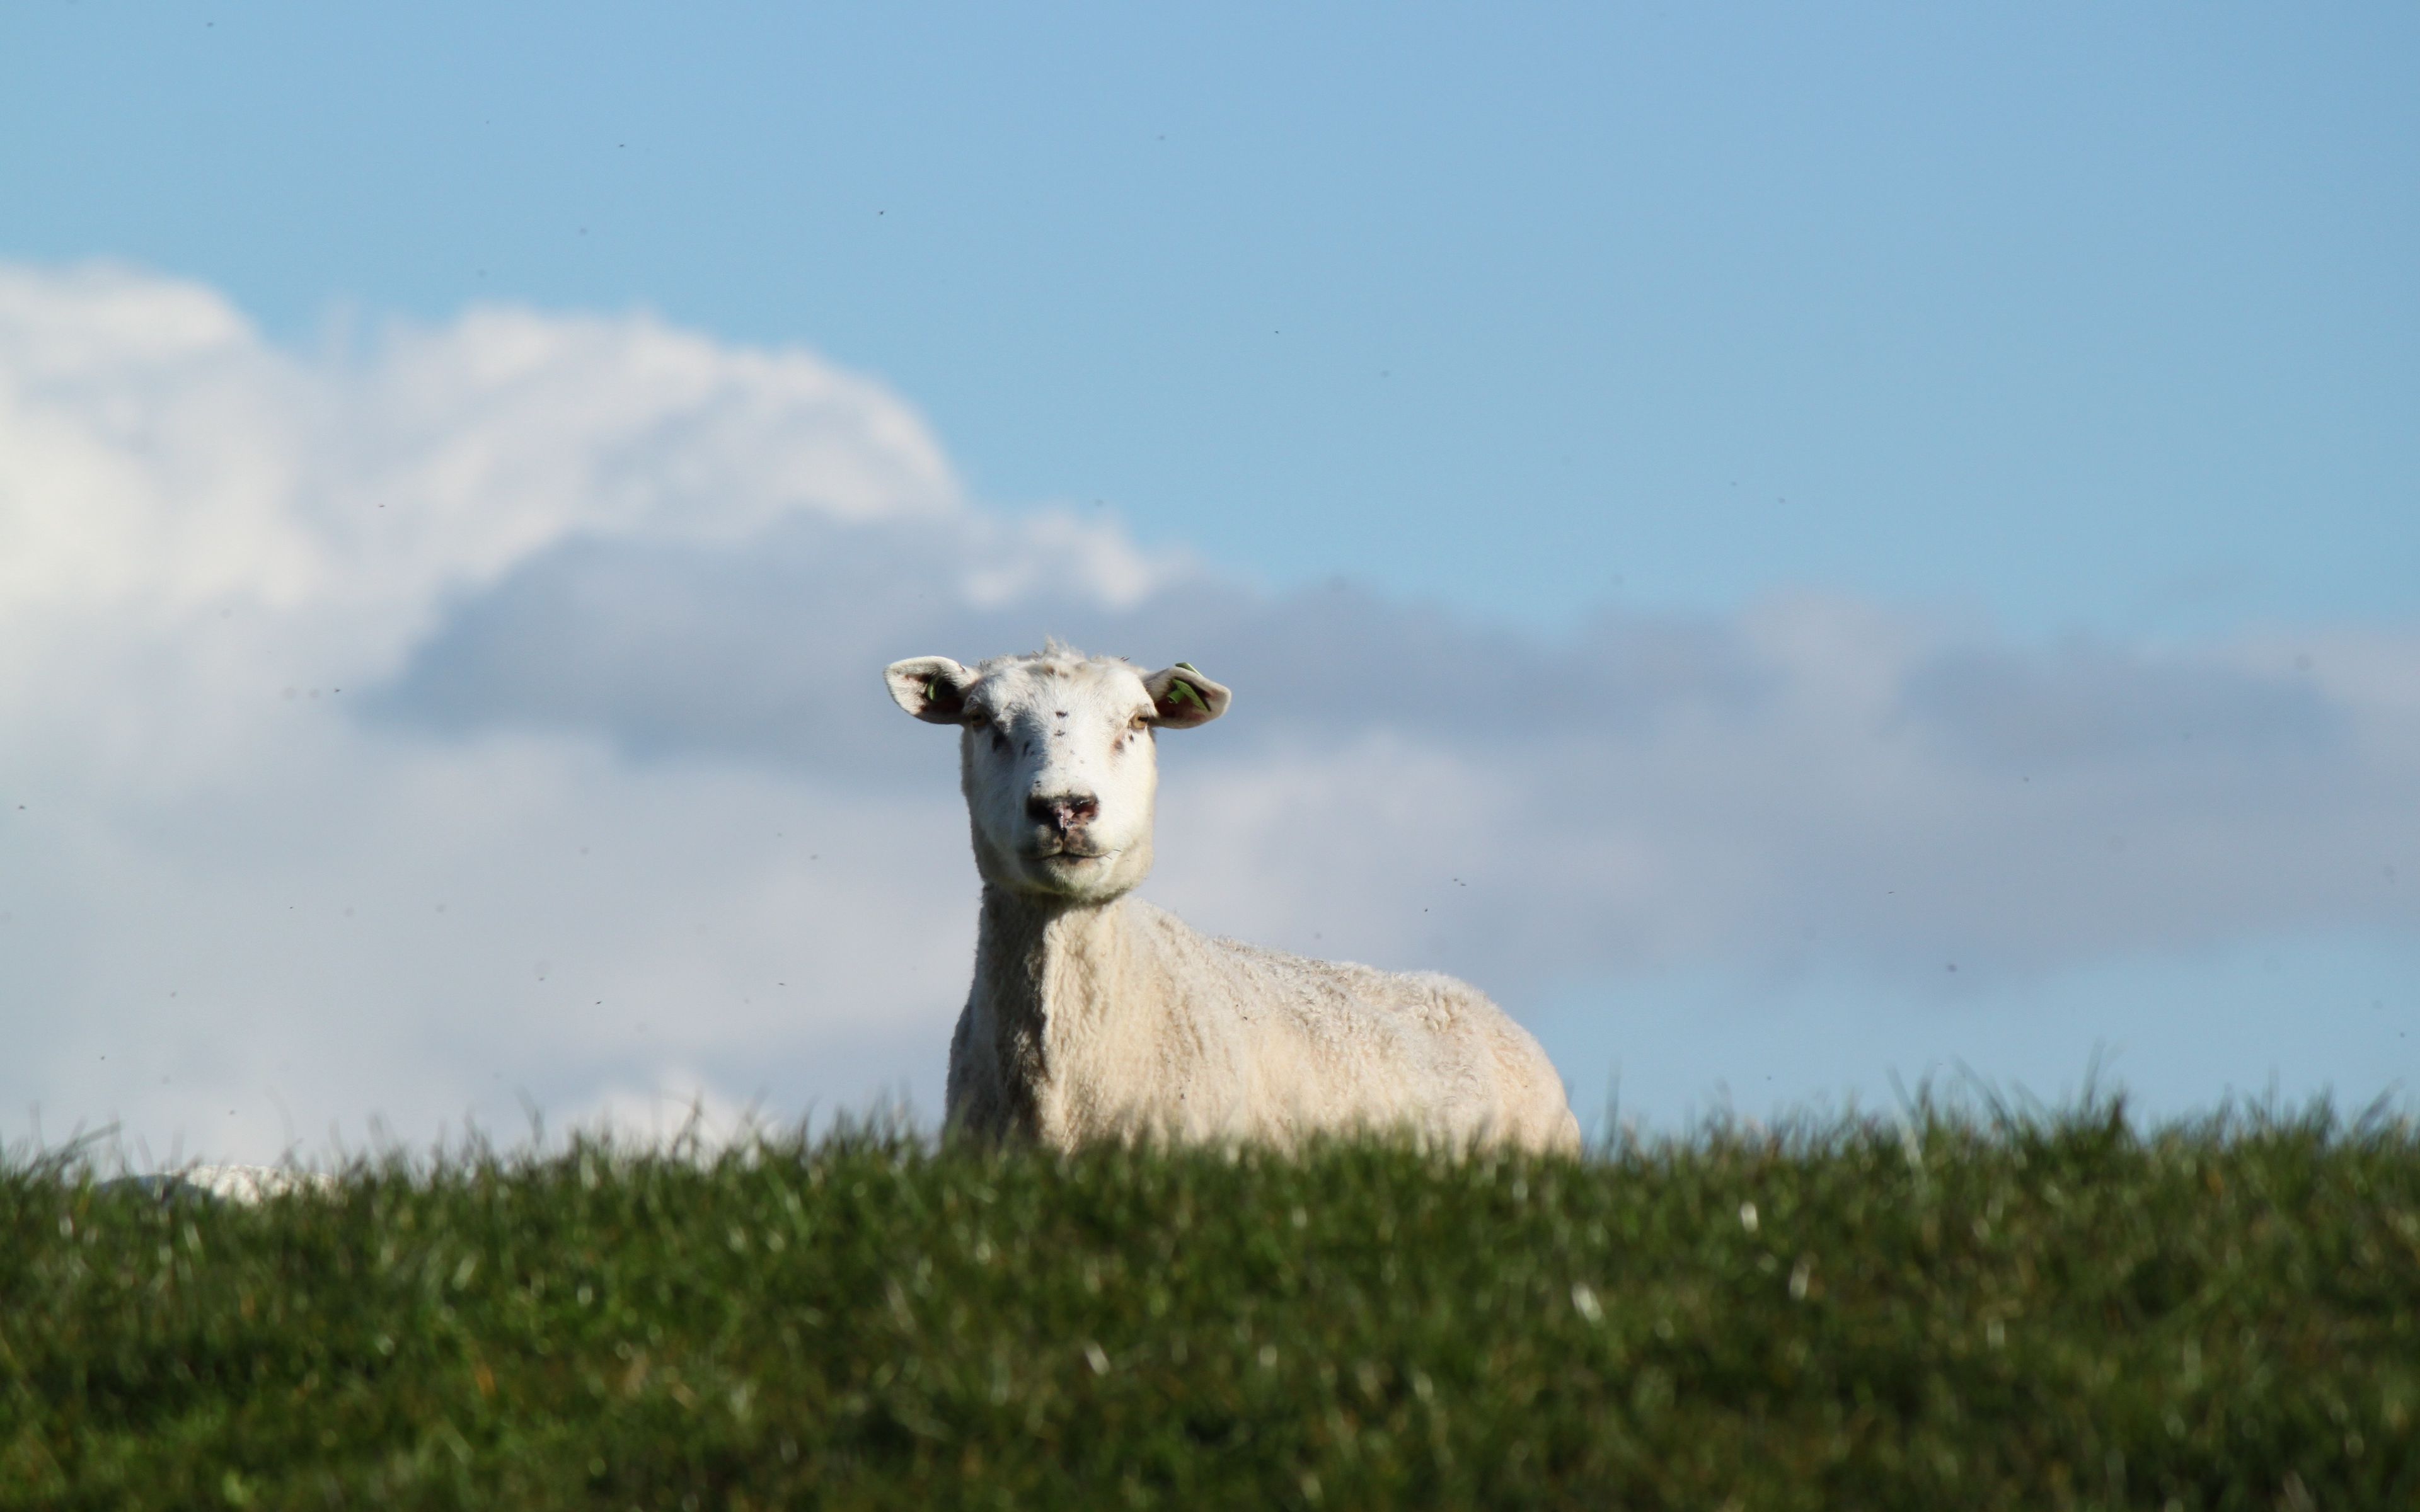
{"points": [[1941, 1312]]}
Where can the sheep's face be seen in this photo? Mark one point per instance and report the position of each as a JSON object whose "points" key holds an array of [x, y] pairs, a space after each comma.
{"points": [[1057, 761]]}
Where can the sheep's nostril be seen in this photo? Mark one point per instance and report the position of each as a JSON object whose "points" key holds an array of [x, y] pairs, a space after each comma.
{"points": [[1063, 811]]}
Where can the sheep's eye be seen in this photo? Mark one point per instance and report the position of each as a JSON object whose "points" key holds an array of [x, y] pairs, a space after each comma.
{"points": [[1140, 721]]}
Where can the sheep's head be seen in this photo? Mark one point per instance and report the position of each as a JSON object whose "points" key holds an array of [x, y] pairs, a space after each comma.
{"points": [[1059, 761]]}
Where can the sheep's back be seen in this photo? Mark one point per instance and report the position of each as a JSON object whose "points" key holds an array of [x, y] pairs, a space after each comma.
{"points": [[1324, 1044]]}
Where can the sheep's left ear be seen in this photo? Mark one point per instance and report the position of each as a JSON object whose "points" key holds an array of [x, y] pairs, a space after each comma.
{"points": [[1181, 698]]}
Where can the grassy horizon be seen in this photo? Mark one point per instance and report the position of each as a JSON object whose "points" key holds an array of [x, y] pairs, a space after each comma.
{"points": [[1977, 1308]]}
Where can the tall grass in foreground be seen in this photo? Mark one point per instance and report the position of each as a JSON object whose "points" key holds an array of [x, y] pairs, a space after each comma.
{"points": [[1948, 1313]]}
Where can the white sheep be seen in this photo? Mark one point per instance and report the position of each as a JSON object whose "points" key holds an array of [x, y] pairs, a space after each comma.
{"points": [[1096, 1014]]}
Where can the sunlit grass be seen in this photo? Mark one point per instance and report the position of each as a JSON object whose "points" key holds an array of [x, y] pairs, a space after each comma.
{"points": [[1939, 1311]]}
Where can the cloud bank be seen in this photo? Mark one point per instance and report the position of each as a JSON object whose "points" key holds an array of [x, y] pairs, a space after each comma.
{"points": [[491, 711]]}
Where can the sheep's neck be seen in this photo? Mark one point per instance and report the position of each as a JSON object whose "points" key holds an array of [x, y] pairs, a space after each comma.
{"points": [[1049, 969]]}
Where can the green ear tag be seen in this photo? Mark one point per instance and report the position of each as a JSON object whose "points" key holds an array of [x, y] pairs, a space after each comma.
{"points": [[1189, 667], [1184, 693], [932, 692]]}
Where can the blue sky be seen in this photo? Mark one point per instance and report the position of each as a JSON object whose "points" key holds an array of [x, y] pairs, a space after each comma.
{"points": [[2062, 359], [2079, 316]]}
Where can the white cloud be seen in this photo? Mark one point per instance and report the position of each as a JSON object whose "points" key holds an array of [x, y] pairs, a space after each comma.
{"points": [[492, 711], [236, 910]]}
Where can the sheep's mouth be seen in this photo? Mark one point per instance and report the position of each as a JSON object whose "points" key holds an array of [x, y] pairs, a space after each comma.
{"points": [[1068, 856]]}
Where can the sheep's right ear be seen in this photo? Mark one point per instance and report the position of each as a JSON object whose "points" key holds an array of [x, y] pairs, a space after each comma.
{"points": [[933, 689]]}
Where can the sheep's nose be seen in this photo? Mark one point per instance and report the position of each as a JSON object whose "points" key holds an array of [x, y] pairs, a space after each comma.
{"points": [[1063, 811]]}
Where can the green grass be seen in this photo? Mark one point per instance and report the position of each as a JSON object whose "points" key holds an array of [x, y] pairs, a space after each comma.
{"points": [[1952, 1313]]}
